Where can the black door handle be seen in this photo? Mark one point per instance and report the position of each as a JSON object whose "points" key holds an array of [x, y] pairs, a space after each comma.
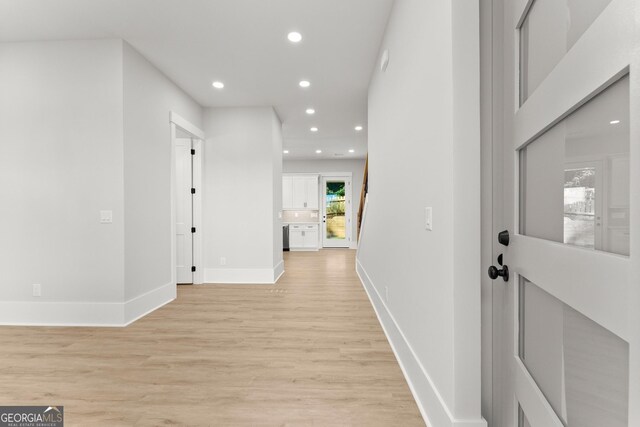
{"points": [[495, 272]]}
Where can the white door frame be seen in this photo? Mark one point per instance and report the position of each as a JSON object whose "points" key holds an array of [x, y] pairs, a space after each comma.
{"points": [[348, 177], [507, 128], [197, 138]]}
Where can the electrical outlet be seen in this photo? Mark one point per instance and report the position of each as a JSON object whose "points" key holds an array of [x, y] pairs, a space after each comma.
{"points": [[37, 290], [428, 218], [223, 260], [386, 294]]}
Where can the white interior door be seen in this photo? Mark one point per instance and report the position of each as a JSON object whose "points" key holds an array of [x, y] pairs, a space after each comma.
{"points": [[336, 211], [568, 318], [184, 211]]}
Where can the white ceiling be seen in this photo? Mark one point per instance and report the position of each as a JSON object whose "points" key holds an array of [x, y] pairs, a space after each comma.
{"points": [[244, 44]]}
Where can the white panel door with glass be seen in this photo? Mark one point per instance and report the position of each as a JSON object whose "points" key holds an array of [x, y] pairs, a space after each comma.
{"points": [[336, 211], [568, 351]]}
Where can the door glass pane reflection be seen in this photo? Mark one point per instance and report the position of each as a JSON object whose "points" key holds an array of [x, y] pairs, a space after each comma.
{"points": [[549, 30], [574, 178], [581, 368]]}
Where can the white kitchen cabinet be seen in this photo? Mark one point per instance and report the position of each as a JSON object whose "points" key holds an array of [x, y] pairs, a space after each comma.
{"points": [[299, 197], [311, 192], [296, 238], [287, 192], [303, 236], [300, 192], [310, 237]]}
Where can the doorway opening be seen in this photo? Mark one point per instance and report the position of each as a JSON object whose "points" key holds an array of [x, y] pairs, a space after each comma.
{"points": [[186, 161]]}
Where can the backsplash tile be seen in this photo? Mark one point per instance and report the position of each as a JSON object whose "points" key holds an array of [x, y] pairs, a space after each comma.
{"points": [[300, 216]]}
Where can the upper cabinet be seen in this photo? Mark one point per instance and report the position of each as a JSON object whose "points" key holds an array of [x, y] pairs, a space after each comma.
{"points": [[300, 192]]}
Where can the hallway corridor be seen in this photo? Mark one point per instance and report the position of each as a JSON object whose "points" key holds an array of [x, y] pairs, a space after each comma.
{"points": [[307, 351]]}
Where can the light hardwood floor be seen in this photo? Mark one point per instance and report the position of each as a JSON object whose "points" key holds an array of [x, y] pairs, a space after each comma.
{"points": [[306, 351]]}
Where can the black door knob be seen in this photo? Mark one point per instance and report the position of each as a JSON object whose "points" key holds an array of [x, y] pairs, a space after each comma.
{"points": [[494, 273]]}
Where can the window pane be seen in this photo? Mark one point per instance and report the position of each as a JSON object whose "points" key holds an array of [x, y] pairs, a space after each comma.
{"points": [[581, 367], [574, 178], [549, 30]]}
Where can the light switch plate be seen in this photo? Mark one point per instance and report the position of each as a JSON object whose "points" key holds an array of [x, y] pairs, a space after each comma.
{"points": [[106, 217], [428, 218]]}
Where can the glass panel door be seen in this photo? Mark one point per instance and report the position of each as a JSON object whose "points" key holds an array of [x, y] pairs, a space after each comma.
{"points": [[336, 212], [566, 337]]}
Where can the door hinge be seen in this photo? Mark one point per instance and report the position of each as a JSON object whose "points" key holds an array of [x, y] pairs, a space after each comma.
{"points": [[193, 229], [193, 191], [193, 152], [193, 268]]}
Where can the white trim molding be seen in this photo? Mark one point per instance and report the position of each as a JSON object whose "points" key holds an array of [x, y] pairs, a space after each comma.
{"points": [[433, 408], [186, 125], [278, 271], [247, 276], [91, 314], [140, 306]]}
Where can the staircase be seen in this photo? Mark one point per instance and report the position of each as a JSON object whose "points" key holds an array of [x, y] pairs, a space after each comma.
{"points": [[363, 193]]}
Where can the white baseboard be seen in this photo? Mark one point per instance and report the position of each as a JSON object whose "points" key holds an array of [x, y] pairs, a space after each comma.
{"points": [[278, 271], [433, 408], [144, 304], [93, 314], [28, 313], [248, 276]]}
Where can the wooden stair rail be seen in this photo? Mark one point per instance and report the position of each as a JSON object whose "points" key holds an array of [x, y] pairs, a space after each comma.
{"points": [[363, 193]]}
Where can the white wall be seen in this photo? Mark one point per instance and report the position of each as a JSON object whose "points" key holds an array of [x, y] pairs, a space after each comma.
{"points": [[84, 127], [241, 198], [276, 147], [60, 165], [356, 167], [424, 151], [149, 97]]}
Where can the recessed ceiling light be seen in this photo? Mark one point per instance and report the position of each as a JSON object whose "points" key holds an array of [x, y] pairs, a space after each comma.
{"points": [[318, 151], [218, 85], [294, 36], [314, 129], [304, 83], [311, 111], [352, 151], [614, 122], [285, 151], [358, 128]]}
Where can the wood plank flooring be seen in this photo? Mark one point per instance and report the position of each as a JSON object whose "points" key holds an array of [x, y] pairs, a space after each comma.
{"points": [[307, 351]]}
